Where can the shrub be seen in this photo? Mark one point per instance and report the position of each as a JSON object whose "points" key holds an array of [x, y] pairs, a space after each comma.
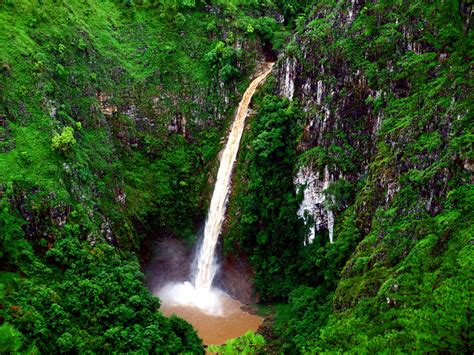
{"points": [[179, 19], [65, 141], [10, 339], [249, 343]]}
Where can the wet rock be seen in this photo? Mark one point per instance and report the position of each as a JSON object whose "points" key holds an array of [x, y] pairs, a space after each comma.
{"points": [[107, 233], [59, 214], [235, 277], [312, 209]]}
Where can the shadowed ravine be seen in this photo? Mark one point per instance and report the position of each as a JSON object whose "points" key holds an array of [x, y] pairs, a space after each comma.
{"points": [[216, 316]]}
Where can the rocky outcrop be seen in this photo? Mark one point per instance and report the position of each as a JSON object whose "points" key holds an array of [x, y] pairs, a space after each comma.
{"points": [[312, 208]]}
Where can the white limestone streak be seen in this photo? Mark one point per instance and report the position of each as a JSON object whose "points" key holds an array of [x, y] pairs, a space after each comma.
{"points": [[288, 88], [313, 204], [319, 92]]}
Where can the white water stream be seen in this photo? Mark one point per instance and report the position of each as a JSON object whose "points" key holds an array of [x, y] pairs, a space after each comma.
{"points": [[199, 293]]}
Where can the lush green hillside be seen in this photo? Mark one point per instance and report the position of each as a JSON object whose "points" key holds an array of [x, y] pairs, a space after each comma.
{"points": [[111, 117]]}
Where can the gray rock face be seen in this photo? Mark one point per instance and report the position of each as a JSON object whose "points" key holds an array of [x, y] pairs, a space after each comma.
{"points": [[312, 208]]}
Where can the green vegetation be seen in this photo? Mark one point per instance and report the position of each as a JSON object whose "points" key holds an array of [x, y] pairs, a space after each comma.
{"points": [[86, 298], [249, 343], [398, 277], [263, 211], [112, 114], [64, 141]]}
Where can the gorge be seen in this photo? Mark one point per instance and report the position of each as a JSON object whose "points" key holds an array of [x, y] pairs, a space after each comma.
{"points": [[133, 186]]}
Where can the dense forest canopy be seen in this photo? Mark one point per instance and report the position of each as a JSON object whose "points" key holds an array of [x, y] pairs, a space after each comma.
{"points": [[352, 198]]}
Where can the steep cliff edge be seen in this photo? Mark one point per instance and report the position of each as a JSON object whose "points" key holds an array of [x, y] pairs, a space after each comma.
{"points": [[384, 174], [386, 164]]}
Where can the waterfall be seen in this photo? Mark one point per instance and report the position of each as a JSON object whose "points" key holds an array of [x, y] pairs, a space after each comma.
{"points": [[206, 266], [199, 292]]}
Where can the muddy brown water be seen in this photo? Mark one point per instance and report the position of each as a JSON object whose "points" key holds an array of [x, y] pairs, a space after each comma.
{"points": [[217, 329], [171, 262]]}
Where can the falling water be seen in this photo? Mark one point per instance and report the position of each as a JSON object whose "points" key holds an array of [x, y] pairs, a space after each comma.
{"points": [[206, 266], [200, 293]]}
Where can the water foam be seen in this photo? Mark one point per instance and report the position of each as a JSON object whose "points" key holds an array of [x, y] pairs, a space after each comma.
{"points": [[209, 301]]}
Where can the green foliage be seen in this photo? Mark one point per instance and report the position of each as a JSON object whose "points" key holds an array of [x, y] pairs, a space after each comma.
{"points": [[65, 141], [92, 299], [249, 343], [10, 339], [338, 194], [223, 57], [424, 303], [263, 212], [179, 19], [13, 247]]}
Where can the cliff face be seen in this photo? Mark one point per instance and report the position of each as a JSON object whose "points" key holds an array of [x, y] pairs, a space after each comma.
{"points": [[139, 86], [385, 162], [360, 72]]}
